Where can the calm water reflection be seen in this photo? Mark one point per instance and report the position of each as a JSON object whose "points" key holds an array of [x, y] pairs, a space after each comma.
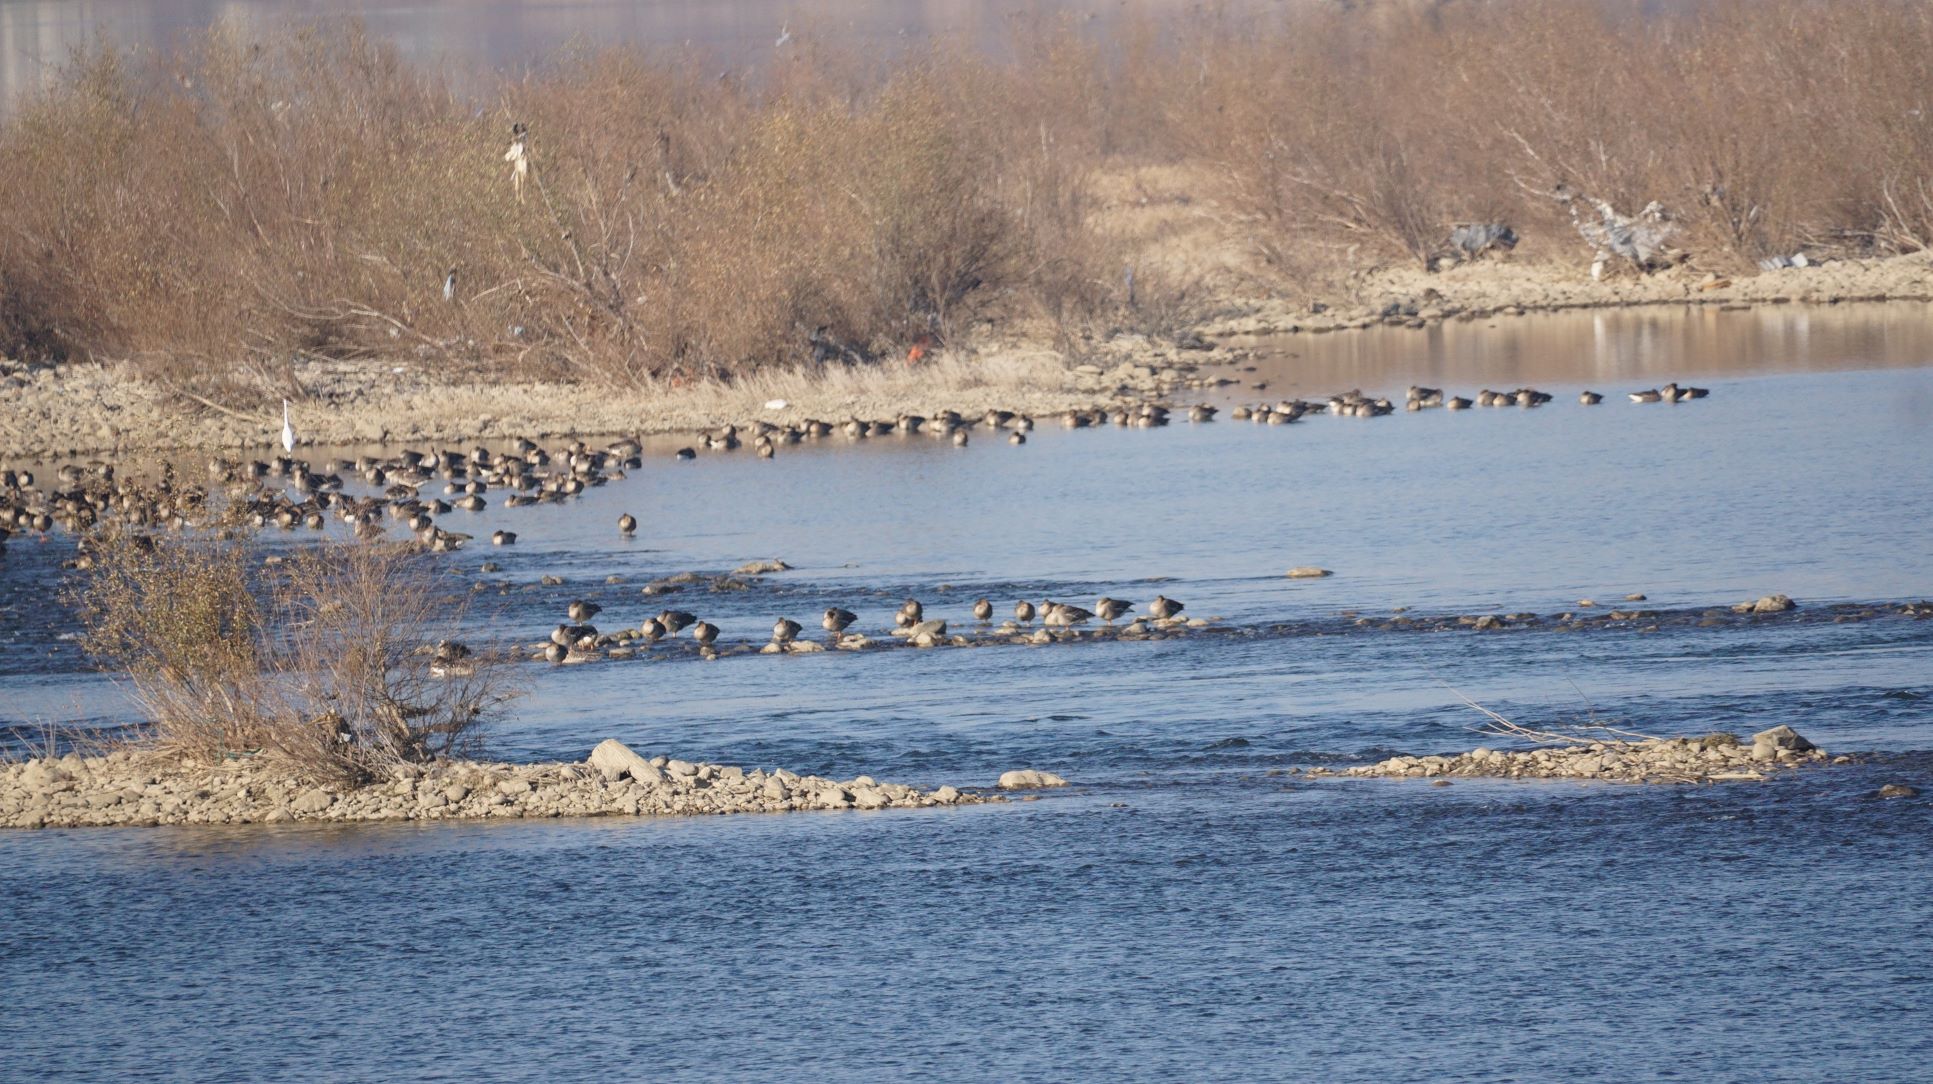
{"points": [[1612, 351], [35, 34]]}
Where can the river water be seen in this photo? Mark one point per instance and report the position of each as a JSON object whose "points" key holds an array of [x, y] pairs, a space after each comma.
{"points": [[1187, 909], [37, 36]]}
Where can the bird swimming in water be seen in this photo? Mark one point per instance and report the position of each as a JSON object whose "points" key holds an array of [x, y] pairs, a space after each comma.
{"points": [[1590, 398], [503, 538], [1650, 395]]}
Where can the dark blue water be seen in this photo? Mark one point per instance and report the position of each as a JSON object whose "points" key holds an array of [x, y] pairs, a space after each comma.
{"points": [[1190, 909]]}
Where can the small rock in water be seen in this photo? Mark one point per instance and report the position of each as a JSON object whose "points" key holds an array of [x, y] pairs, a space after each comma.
{"points": [[1768, 744], [760, 568], [1898, 790], [1028, 778], [1308, 572]]}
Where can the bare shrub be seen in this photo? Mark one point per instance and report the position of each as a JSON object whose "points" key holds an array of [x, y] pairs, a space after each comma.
{"points": [[335, 662], [1760, 126], [179, 621], [223, 214]]}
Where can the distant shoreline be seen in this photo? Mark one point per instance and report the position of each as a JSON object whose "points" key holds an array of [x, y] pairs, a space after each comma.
{"points": [[94, 409]]}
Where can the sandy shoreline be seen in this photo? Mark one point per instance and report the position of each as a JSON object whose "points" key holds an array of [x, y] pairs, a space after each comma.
{"points": [[96, 408], [1714, 758], [135, 788]]}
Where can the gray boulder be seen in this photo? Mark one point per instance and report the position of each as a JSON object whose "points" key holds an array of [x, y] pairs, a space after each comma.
{"points": [[614, 760], [1768, 744], [314, 801], [1029, 779]]}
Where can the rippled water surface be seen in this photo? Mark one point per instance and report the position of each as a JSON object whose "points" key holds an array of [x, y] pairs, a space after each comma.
{"points": [[1186, 910]]}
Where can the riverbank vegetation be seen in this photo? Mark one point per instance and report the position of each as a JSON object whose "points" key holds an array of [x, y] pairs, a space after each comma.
{"points": [[221, 214], [337, 662]]}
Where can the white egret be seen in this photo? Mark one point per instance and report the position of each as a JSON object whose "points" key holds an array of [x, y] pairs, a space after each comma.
{"points": [[288, 431]]}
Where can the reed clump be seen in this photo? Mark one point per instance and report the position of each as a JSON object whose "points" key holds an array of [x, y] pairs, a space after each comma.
{"points": [[336, 662], [220, 214]]}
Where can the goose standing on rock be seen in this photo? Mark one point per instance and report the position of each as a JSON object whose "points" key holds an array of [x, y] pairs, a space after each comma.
{"points": [[982, 611], [1111, 608], [675, 620], [909, 614], [1023, 611], [1163, 608], [651, 631], [837, 621], [1060, 613], [581, 610], [785, 630], [704, 632]]}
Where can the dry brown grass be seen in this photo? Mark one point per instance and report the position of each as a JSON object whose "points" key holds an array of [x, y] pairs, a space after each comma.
{"points": [[1763, 126], [216, 213], [327, 662]]}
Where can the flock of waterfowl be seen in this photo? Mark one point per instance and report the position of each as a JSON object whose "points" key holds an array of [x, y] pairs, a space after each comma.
{"points": [[290, 492], [1357, 405], [576, 641]]}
